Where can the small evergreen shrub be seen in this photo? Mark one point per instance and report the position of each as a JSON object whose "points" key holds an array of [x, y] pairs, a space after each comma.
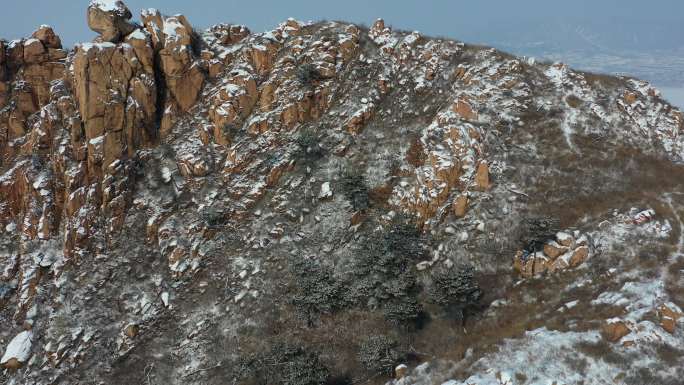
{"points": [[379, 354], [316, 290], [455, 290], [354, 187], [230, 131], [405, 238], [534, 232], [283, 365], [309, 145], [308, 74], [212, 217]]}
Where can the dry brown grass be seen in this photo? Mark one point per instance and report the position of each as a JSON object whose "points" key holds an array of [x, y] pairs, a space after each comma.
{"points": [[604, 80], [573, 101], [415, 155]]}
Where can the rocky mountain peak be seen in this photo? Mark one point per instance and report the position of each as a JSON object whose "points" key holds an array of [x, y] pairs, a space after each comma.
{"points": [[362, 204]]}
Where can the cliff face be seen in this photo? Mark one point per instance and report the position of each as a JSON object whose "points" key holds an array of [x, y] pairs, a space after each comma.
{"points": [[175, 203]]}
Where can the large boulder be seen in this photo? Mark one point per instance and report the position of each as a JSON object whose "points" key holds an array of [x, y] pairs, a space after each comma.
{"points": [[173, 39], [48, 37], [34, 51], [117, 99], [110, 18], [614, 329]]}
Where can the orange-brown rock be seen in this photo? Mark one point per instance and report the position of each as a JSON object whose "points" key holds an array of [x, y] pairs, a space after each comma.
{"points": [[132, 330], [565, 239], [531, 265], [267, 95], [48, 37], [463, 108], [349, 46], [39, 77], [357, 218], [400, 371], [15, 54], [554, 250], [34, 52], [630, 97], [110, 19], [461, 206], [614, 330], [192, 165], [669, 318], [186, 88], [482, 177], [579, 256], [214, 66], [172, 38], [289, 115], [558, 264], [668, 324], [105, 77], [378, 29], [12, 364], [263, 57], [257, 125], [230, 34], [359, 119], [169, 118]]}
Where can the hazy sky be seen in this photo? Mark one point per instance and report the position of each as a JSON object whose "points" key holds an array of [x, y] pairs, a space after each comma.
{"points": [[638, 21], [637, 37]]}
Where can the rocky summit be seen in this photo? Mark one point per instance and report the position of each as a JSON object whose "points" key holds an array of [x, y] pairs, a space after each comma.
{"points": [[327, 203]]}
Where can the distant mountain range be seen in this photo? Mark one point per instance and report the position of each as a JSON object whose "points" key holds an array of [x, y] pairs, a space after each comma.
{"points": [[650, 50]]}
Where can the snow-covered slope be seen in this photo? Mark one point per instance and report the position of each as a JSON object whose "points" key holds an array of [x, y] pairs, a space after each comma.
{"points": [[191, 207]]}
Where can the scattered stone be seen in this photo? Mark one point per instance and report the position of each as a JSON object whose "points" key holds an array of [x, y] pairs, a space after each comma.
{"points": [[463, 108], [579, 256], [482, 177], [530, 265], [669, 316], [18, 351], [614, 329], [644, 216], [326, 191], [565, 239], [424, 265], [131, 330], [461, 206], [554, 250], [400, 371]]}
